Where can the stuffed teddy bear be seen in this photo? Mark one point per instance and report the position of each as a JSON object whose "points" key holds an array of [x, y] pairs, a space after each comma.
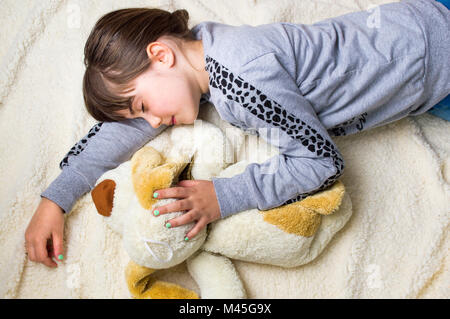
{"points": [[286, 236]]}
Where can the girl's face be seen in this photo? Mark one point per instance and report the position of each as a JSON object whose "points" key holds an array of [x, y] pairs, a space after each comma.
{"points": [[164, 98], [168, 92]]}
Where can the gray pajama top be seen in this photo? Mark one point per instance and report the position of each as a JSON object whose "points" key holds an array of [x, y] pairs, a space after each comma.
{"points": [[295, 86]]}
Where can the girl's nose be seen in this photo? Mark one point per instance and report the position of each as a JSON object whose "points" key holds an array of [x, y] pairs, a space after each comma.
{"points": [[154, 121]]}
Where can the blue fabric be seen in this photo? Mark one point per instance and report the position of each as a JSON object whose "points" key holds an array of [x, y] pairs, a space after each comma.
{"points": [[445, 3], [442, 109]]}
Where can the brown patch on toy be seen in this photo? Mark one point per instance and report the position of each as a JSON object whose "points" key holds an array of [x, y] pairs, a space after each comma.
{"points": [[103, 197], [303, 217]]}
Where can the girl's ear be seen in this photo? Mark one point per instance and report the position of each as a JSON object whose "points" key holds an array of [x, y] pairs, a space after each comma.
{"points": [[160, 53]]}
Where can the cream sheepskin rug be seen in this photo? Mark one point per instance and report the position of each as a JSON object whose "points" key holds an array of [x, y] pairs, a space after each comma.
{"points": [[394, 246]]}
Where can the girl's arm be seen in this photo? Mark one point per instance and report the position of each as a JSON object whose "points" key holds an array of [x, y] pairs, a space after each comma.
{"points": [[294, 174], [106, 146], [267, 99]]}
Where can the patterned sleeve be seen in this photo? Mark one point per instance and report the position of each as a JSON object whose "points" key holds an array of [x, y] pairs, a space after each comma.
{"points": [[308, 162], [106, 146]]}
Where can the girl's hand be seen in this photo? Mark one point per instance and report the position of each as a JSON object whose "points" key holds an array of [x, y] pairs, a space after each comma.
{"points": [[46, 225], [199, 200]]}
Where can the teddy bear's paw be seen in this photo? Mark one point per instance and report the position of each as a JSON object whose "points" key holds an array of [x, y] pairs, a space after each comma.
{"points": [[216, 276], [137, 278], [166, 290], [142, 285]]}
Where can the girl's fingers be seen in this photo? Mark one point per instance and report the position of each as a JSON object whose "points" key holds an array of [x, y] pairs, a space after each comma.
{"points": [[57, 239], [49, 247], [187, 183], [40, 248], [196, 229], [176, 206], [173, 192], [180, 220], [31, 252]]}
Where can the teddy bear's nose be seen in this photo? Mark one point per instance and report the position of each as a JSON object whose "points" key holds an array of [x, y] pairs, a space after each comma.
{"points": [[103, 197]]}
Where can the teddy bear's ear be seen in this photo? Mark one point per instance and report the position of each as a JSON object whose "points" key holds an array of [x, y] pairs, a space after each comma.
{"points": [[146, 158], [103, 197], [151, 171]]}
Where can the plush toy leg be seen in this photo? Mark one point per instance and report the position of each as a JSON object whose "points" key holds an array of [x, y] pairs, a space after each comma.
{"points": [[303, 217], [142, 286], [216, 276]]}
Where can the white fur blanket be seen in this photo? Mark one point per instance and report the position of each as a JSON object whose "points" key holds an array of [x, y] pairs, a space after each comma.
{"points": [[395, 245]]}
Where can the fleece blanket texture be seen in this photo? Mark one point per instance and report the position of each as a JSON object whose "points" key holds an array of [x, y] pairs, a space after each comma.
{"points": [[395, 245]]}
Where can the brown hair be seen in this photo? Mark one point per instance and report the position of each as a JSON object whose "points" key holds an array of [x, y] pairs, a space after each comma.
{"points": [[115, 54]]}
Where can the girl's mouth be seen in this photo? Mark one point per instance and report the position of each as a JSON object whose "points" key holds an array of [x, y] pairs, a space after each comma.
{"points": [[173, 120]]}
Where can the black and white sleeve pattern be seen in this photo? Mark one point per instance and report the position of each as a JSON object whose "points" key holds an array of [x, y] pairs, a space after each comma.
{"points": [[309, 161], [106, 146]]}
